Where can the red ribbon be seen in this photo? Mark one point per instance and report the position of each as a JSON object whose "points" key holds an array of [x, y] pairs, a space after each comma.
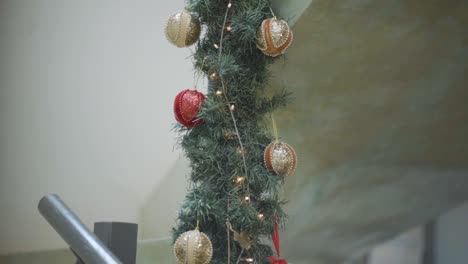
{"points": [[275, 260], [275, 237]]}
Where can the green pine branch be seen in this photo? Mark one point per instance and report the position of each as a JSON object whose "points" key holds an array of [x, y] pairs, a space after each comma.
{"points": [[214, 159]]}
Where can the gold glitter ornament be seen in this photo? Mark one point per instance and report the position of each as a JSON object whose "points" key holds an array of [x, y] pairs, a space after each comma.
{"points": [[280, 158], [274, 36], [193, 247], [183, 29]]}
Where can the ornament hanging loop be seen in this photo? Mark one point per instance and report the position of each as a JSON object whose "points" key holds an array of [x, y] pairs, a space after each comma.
{"points": [[275, 128], [273, 13]]}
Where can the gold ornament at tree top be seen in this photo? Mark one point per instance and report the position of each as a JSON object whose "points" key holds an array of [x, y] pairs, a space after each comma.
{"points": [[183, 29], [274, 36], [193, 247]]}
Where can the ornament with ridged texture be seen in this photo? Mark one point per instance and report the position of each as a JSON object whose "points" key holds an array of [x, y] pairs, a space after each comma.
{"points": [[280, 158], [183, 29], [193, 247], [274, 36], [186, 107]]}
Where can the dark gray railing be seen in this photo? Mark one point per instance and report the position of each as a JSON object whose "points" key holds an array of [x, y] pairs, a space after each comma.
{"points": [[82, 241]]}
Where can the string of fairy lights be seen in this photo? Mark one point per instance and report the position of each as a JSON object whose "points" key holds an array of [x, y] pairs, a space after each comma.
{"points": [[239, 180], [273, 46]]}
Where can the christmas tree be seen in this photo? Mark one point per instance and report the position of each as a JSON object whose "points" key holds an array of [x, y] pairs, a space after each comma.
{"points": [[238, 164]]}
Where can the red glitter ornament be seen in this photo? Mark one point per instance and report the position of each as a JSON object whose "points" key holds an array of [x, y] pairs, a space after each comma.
{"points": [[186, 106]]}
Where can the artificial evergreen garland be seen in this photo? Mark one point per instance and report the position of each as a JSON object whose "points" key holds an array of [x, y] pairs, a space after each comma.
{"points": [[233, 197]]}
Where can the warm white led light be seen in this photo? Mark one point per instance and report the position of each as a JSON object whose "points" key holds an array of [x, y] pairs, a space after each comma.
{"points": [[240, 179]]}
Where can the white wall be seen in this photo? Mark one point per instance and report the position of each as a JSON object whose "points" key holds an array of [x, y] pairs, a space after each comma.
{"points": [[86, 110], [451, 246], [160, 210], [407, 248], [450, 242]]}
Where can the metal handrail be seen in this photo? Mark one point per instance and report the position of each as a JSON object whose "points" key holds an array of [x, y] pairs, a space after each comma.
{"points": [[80, 239]]}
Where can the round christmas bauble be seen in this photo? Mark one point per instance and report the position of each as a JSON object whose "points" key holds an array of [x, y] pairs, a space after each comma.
{"points": [[186, 107], [193, 247], [280, 158], [183, 29], [274, 37]]}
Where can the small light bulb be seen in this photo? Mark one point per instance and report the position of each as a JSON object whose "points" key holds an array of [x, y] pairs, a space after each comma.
{"points": [[213, 75], [229, 28], [241, 151], [240, 179], [260, 216], [232, 107], [230, 135], [219, 92], [229, 5], [247, 198], [216, 46], [249, 260]]}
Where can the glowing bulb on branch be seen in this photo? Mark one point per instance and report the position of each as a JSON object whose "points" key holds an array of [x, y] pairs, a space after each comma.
{"points": [[247, 198], [213, 76], [240, 179], [228, 28], [216, 46], [219, 92], [249, 260], [241, 151], [230, 135], [232, 107], [229, 5], [260, 216]]}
